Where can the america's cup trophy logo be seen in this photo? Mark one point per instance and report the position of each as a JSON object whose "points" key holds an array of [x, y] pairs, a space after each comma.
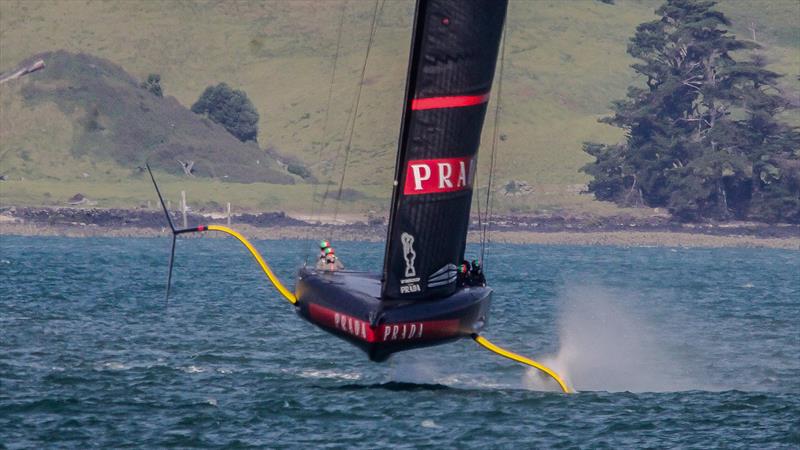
{"points": [[408, 253]]}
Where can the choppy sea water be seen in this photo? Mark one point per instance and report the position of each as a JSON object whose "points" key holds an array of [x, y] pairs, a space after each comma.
{"points": [[669, 347]]}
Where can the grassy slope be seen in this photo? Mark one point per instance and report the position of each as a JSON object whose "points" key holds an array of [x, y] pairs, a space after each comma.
{"points": [[565, 62]]}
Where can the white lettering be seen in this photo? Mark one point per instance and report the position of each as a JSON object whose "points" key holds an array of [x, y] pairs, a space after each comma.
{"points": [[462, 175], [350, 325], [418, 177], [402, 332], [409, 288], [445, 171]]}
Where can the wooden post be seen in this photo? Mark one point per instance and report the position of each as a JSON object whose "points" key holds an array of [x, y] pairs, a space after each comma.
{"points": [[183, 208], [229, 213]]}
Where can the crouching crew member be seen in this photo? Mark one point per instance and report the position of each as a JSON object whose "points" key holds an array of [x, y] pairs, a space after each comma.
{"points": [[476, 276]]}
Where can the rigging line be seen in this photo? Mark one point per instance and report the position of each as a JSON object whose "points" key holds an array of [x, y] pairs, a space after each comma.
{"points": [[347, 125], [375, 14], [480, 219], [493, 159], [323, 146], [327, 193], [521, 359], [325, 196], [352, 118]]}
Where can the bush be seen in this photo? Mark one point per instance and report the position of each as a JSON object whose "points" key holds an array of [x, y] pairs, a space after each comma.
{"points": [[297, 169], [230, 108], [153, 85]]}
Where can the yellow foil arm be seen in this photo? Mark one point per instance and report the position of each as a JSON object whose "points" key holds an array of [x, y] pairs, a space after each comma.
{"points": [[272, 278], [521, 359]]}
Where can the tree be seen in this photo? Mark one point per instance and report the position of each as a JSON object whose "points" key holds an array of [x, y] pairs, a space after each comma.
{"points": [[153, 85], [702, 137], [230, 108]]}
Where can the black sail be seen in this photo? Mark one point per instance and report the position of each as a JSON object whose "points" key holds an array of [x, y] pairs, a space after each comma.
{"points": [[453, 56]]}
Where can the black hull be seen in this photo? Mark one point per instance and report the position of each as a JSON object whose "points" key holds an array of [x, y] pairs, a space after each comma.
{"points": [[348, 305]]}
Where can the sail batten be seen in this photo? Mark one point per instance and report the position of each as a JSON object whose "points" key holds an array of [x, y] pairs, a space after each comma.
{"points": [[453, 56]]}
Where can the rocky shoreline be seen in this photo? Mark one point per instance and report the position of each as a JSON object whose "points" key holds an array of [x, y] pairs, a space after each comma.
{"points": [[550, 229]]}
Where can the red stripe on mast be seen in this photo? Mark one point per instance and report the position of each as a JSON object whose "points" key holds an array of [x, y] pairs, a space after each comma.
{"points": [[456, 101]]}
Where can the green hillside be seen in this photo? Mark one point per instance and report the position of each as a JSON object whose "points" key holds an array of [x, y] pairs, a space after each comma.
{"points": [[114, 120], [565, 63]]}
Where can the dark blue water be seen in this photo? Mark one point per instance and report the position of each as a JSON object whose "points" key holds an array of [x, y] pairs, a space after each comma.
{"points": [[669, 348]]}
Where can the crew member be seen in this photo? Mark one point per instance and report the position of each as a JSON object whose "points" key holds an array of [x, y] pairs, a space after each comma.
{"points": [[476, 274], [463, 274], [323, 244], [330, 262]]}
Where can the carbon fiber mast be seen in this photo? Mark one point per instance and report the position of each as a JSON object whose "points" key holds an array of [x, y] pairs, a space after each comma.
{"points": [[453, 56]]}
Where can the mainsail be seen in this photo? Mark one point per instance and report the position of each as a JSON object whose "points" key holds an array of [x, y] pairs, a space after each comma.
{"points": [[453, 56]]}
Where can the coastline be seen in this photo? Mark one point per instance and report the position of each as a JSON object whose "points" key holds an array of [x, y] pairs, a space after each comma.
{"points": [[360, 231]]}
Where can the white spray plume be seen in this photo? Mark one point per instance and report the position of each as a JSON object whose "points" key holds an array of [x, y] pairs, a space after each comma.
{"points": [[609, 342]]}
